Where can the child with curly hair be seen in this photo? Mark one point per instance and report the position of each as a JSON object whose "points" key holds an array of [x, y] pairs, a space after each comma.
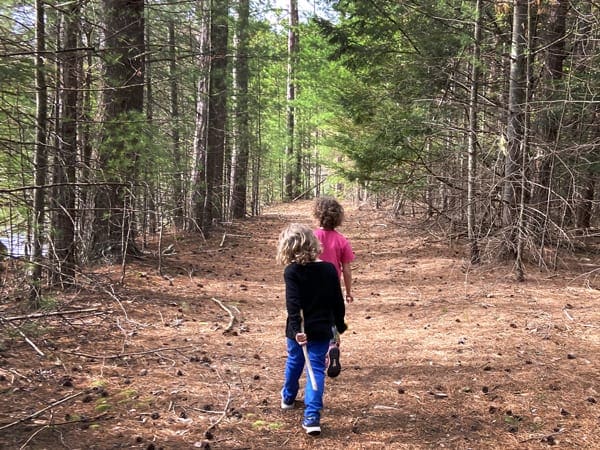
{"points": [[314, 304], [337, 250]]}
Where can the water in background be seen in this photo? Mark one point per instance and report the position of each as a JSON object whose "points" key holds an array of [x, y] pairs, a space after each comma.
{"points": [[16, 244]]}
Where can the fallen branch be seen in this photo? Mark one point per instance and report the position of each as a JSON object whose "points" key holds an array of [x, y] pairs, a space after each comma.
{"points": [[54, 313], [233, 235], [41, 411], [232, 317], [37, 350], [82, 419], [385, 407], [206, 411], [210, 250], [225, 409], [321, 181], [30, 438], [124, 355], [566, 313], [110, 293]]}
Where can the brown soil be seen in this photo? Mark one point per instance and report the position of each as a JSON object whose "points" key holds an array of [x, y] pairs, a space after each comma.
{"points": [[438, 354]]}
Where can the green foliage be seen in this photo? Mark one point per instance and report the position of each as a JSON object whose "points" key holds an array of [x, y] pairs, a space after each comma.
{"points": [[398, 58], [102, 405], [129, 143]]}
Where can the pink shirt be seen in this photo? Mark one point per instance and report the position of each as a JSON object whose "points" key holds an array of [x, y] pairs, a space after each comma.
{"points": [[336, 249]]}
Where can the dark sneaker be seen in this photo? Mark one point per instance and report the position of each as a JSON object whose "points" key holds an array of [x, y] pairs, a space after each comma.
{"points": [[312, 426], [287, 403], [333, 362]]}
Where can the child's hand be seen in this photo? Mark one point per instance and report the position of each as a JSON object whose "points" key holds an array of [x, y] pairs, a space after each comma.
{"points": [[301, 338], [343, 329]]}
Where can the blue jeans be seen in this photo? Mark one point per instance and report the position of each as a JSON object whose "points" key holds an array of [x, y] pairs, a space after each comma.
{"points": [[313, 400]]}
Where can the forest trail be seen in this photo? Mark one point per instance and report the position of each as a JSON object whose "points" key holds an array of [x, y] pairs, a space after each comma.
{"points": [[437, 354]]}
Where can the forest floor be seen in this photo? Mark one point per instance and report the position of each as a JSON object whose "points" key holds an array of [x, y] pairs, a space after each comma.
{"points": [[438, 354]]}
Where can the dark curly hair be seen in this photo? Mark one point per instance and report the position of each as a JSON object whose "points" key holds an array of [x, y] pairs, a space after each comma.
{"points": [[328, 212]]}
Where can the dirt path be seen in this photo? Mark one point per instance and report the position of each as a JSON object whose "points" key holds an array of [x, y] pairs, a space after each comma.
{"points": [[436, 355]]}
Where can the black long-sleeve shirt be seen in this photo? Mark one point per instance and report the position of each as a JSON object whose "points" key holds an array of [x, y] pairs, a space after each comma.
{"points": [[314, 289]]}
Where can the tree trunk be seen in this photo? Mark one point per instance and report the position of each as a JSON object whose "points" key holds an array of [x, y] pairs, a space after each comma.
{"points": [[516, 118], [241, 148], [473, 128], [256, 159], [122, 107], [63, 203], [41, 156], [217, 114], [149, 221], [178, 194], [198, 169], [86, 193], [293, 42]]}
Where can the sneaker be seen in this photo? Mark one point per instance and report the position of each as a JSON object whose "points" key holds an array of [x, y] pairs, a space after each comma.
{"points": [[333, 361], [312, 426], [287, 404]]}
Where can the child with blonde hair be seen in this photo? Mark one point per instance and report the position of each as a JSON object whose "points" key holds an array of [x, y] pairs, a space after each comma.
{"points": [[314, 304]]}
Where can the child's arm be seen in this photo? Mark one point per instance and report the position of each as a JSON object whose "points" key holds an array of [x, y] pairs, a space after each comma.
{"points": [[339, 309], [292, 301], [347, 276]]}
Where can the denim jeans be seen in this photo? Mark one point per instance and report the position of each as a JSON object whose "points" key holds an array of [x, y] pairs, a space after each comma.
{"points": [[313, 400]]}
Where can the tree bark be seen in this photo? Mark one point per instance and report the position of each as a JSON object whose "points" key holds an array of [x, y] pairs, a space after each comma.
{"points": [[86, 193], [473, 128], [293, 42], [149, 221], [122, 106], [41, 156], [241, 148], [63, 202], [217, 114], [178, 194], [516, 118], [198, 169]]}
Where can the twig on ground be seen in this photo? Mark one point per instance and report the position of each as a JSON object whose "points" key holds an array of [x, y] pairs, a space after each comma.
{"points": [[124, 355], [232, 235], [225, 409], [43, 410], [206, 411], [210, 250], [112, 294], [48, 314], [110, 291], [124, 336], [29, 341], [19, 374], [82, 419], [387, 407], [32, 436], [231, 316]]}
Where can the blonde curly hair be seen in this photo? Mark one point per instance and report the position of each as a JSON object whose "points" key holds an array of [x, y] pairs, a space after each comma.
{"points": [[297, 243]]}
